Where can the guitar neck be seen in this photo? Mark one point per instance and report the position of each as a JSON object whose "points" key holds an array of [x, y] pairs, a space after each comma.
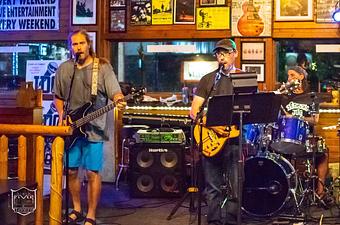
{"points": [[93, 115]]}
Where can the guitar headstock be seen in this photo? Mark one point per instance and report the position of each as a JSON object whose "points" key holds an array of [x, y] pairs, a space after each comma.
{"points": [[289, 87], [137, 94]]}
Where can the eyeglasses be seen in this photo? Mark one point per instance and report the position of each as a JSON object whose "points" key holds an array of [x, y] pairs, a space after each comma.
{"points": [[223, 53]]}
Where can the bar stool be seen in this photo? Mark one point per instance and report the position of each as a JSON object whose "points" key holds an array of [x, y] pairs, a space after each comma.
{"points": [[127, 141]]}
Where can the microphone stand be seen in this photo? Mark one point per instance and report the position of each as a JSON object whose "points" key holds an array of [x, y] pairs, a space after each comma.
{"points": [[194, 187], [66, 111], [199, 117]]}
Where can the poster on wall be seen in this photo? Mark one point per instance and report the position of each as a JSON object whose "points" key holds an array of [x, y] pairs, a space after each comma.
{"points": [[29, 15], [41, 73], [325, 10], [162, 12], [213, 18], [84, 12], [251, 18], [140, 12], [184, 11]]}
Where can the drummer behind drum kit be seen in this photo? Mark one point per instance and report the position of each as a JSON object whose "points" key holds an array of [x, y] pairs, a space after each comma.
{"points": [[270, 178]]}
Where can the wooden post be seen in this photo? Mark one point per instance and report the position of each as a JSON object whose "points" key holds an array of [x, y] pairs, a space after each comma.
{"points": [[22, 161], [39, 176], [22, 157], [3, 157], [56, 181]]}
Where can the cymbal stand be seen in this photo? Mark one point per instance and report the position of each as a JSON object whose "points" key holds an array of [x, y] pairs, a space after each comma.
{"points": [[309, 192]]}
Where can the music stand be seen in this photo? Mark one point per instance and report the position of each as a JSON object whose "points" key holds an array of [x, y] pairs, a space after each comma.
{"points": [[239, 109]]}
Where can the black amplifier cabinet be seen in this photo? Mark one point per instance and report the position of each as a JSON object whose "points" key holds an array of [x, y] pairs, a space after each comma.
{"points": [[156, 170]]}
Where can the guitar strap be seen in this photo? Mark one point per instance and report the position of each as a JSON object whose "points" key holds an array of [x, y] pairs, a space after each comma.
{"points": [[94, 86]]}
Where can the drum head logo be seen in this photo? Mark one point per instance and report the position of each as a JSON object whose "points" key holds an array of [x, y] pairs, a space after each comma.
{"points": [[24, 200]]}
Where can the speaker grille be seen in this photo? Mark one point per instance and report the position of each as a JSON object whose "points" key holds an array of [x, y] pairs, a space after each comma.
{"points": [[156, 170]]}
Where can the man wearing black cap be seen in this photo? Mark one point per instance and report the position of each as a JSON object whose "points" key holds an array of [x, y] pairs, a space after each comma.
{"points": [[219, 82]]}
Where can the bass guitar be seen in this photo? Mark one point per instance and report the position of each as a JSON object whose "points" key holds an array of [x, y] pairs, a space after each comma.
{"points": [[212, 142], [81, 116]]}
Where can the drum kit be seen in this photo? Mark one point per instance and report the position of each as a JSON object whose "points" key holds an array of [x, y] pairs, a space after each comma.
{"points": [[270, 179]]}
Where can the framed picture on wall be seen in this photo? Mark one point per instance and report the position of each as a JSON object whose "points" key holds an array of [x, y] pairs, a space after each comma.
{"points": [[117, 3], [184, 11], [324, 11], [253, 51], [117, 20], [93, 39], [294, 10], [140, 12], [212, 2], [207, 2], [84, 12], [255, 21], [255, 67]]}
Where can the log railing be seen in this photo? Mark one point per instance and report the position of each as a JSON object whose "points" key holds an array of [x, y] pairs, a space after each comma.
{"points": [[39, 132]]}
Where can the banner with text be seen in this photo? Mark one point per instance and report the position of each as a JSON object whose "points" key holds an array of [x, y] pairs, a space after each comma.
{"points": [[20, 15]]}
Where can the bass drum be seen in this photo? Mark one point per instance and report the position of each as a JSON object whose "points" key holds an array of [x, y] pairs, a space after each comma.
{"points": [[268, 181]]}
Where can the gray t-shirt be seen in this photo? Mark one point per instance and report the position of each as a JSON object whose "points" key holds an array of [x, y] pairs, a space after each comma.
{"points": [[108, 86]]}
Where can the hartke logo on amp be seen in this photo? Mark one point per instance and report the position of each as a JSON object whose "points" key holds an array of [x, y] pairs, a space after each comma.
{"points": [[156, 170], [158, 150]]}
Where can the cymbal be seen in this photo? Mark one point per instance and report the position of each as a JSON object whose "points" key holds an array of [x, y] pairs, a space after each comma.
{"points": [[311, 97]]}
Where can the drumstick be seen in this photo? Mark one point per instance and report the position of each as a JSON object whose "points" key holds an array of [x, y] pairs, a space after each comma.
{"points": [[283, 109]]}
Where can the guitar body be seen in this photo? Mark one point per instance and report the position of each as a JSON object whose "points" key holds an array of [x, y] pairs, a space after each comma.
{"points": [[212, 142], [78, 131], [250, 23]]}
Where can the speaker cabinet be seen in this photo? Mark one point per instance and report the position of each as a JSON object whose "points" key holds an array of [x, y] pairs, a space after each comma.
{"points": [[156, 170]]}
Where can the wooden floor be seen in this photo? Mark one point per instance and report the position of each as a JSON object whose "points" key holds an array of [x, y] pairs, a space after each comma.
{"points": [[117, 208]]}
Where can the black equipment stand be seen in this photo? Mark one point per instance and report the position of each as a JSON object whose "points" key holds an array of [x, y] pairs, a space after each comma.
{"points": [[64, 118], [193, 189], [239, 109], [195, 172]]}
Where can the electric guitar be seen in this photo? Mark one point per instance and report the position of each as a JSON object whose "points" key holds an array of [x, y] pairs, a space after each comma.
{"points": [[81, 116], [250, 23], [214, 142]]}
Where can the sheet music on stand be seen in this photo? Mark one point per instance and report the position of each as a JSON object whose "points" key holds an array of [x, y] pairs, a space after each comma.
{"points": [[264, 108]]}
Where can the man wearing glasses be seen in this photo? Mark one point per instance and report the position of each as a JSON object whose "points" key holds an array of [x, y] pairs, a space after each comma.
{"points": [[220, 171]]}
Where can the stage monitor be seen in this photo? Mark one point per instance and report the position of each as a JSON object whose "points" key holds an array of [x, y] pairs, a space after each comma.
{"points": [[244, 82]]}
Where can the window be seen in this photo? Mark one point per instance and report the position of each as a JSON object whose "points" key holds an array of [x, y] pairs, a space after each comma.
{"points": [[324, 68], [14, 56], [158, 65]]}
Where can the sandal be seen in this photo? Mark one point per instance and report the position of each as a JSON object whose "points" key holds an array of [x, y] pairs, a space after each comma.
{"points": [[90, 221], [72, 221]]}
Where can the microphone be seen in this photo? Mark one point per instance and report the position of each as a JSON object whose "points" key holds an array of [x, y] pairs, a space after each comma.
{"points": [[218, 76], [76, 57]]}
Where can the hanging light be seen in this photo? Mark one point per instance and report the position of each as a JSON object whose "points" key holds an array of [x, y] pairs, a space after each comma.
{"points": [[336, 14]]}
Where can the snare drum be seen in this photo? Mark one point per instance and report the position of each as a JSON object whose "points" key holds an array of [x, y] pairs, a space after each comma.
{"points": [[291, 135]]}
